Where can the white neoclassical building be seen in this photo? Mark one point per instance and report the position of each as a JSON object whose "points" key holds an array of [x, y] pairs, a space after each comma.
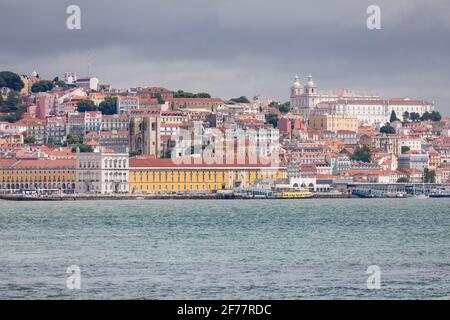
{"points": [[307, 100], [306, 97], [102, 171]]}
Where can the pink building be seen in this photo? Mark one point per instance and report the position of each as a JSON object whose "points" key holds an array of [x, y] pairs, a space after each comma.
{"points": [[31, 110], [284, 125], [44, 105]]}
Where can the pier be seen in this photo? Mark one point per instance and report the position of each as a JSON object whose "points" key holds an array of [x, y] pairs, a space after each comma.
{"points": [[390, 190]]}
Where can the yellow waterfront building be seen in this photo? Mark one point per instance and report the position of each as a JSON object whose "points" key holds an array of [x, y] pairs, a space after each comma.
{"points": [[146, 175], [37, 175], [150, 175]]}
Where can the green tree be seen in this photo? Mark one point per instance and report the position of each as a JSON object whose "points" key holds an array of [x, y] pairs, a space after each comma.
{"points": [[60, 84], [241, 99], [414, 116], [405, 149], [203, 95], [429, 176], [285, 107], [435, 116], [10, 117], [86, 105], [388, 129], [182, 94], [393, 117], [425, 116], [29, 140], [185, 94], [11, 80], [42, 86], [134, 153], [363, 154], [272, 119], [159, 98], [108, 106], [12, 101], [73, 139], [402, 180], [282, 107], [83, 148]]}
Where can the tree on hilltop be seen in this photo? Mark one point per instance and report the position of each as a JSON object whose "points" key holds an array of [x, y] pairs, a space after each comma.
{"points": [[11, 80], [42, 86], [86, 105]]}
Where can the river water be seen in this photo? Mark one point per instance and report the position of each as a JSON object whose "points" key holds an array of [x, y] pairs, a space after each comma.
{"points": [[226, 249]]}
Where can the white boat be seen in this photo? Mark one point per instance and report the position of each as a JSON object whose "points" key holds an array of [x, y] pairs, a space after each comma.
{"points": [[420, 196]]}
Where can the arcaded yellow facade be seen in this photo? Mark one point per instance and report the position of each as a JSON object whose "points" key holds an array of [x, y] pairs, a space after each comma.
{"points": [[37, 175], [154, 176], [197, 179]]}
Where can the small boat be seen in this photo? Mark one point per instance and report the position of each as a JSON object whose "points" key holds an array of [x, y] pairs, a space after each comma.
{"points": [[440, 195], [421, 196]]}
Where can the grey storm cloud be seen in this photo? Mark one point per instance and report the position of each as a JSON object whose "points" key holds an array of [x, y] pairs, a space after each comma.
{"points": [[236, 47]]}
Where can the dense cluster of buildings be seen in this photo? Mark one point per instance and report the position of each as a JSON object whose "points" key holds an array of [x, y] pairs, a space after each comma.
{"points": [[158, 142]]}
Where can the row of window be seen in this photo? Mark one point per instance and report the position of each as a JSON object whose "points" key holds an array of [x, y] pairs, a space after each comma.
{"points": [[179, 187], [191, 175]]}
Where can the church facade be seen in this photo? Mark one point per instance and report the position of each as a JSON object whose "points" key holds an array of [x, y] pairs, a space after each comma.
{"points": [[369, 108]]}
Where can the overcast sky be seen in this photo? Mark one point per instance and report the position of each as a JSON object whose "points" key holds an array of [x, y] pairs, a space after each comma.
{"points": [[236, 47]]}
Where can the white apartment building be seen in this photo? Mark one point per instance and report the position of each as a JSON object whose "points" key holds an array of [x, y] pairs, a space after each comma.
{"points": [[70, 77], [119, 122], [414, 144], [125, 104], [89, 83], [92, 121]]}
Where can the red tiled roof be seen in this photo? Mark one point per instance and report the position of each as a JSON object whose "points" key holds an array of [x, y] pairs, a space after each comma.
{"points": [[41, 163], [93, 143], [145, 100], [194, 99], [5, 163]]}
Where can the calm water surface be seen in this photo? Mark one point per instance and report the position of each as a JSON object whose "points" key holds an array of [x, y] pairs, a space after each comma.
{"points": [[246, 249]]}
